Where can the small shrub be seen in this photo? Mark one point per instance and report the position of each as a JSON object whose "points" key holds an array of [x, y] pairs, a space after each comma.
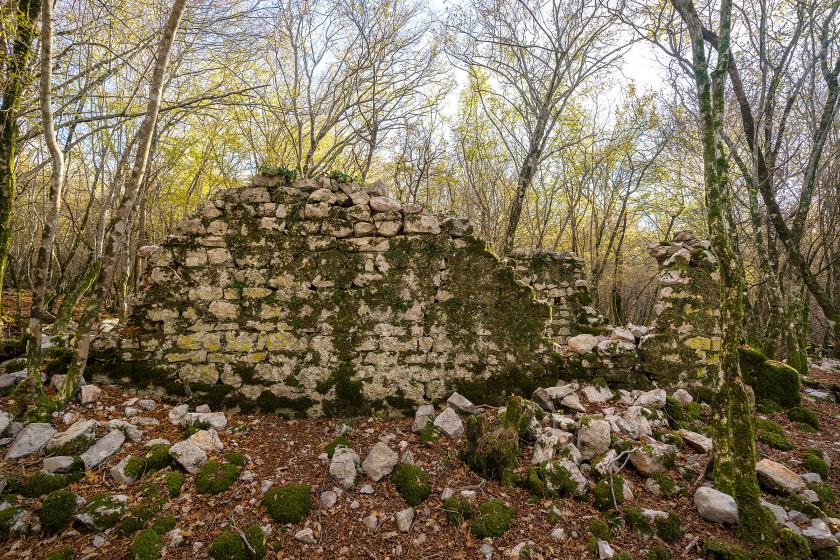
{"points": [[715, 549], [637, 521], [174, 482], [492, 519], [230, 546], [815, 462], [214, 477], [63, 553], [669, 529], [600, 529], [289, 503], [58, 509], [658, 552], [804, 416], [42, 483], [411, 482], [146, 546], [604, 492], [457, 510]]}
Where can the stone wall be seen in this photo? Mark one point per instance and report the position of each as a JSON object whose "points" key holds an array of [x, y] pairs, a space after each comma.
{"points": [[684, 339], [322, 297]]}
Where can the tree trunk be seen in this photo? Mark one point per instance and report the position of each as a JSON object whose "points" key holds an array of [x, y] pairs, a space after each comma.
{"points": [[119, 232], [68, 304], [523, 182], [34, 354], [16, 81]]}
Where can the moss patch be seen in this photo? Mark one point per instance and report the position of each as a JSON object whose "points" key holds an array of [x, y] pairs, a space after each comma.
{"points": [[669, 529], [457, 509], [805, 416], [716, 549], [492, 519], [814, 461], [604, 492], [58, 510], [174, 482], [157, 457], [214, 477], [146, 546], [230, 545], [494, 454], [411, 482], [778, 382], [42, 483], [63, 553], [289, 503]]}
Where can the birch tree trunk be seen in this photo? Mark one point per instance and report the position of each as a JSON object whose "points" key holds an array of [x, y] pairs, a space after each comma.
{"points": [[734, 436], [117, 238], [42, 267], [16, 81]]}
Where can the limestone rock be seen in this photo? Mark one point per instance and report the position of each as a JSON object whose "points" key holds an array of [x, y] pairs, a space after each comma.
{"points": [[549, 440], [653, 457], [605, 550], [306, 536], [380, 462], [461, 404], [343, 467], [102, 512], [5, 421], [207, 440], [118, 472], [103, 449], [597, 394], [176, 415], [574, 473], [682, 396], [384, 204], [652, 399], [593, 438], [697, 441], [715, 506], [74, 440], [582, 343], [572, 402], [59, 464], [778, 478], [188, 455], [634, 423], [404, 519], [449, 423], [29, 441], [132, 432], [89, 394], [422, 416], [328, 498], [819, 535]]}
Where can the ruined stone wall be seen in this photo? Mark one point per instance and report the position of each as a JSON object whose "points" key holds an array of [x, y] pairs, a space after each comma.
{"points": [[684, 339], [322, 297], [559, 280]]}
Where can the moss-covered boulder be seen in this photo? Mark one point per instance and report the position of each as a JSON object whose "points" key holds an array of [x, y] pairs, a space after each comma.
{"points": [[804, 417], [58, 510], [289, 503], [103, 511], [493, 454], [557, 478], [230, 545], [411, 482], [778, 382], [492, 519]]}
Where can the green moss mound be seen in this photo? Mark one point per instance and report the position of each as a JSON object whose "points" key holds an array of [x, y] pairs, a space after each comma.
{"points": [[58, 510], [42, 483], [7, 517], [457, 509], [492, 454], [519, 414], [824, 492], [214, 477], [814, 461], [230, 545], [340, 441], [164, 524], [492, 519], [767, 407], [636, 521], [235, 458], [600, 529], [63, 553], [606, 488], [777, 382], [775, 440], [174, 482], [135, 467], [669, 529], [792, 546], [411, 482], [716, 549], [157, 457], [804, 416], [832, 553], [289, 503], [147, 545], [547, 480], [658, 552]]}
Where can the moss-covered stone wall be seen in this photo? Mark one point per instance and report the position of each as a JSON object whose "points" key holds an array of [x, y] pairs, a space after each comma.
{"points": [[685, 339], [326, 298]]}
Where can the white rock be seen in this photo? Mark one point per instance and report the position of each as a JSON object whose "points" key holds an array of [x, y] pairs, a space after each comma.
{"points": [[486, 550], [778, 478], [404, 519], [379, 462], [422, 416], [156, 441], [715, 506], [682, 396], [343, 467], [188, 455], [371, 522], [89, 394], [384, 204], [597, 395], [461, 404], [207, 440], [306, 536], [366, 489], [558, 534], [593, 438], [118, 472], [75, 439], [605, 551], [574, 473], [653, 457], [549, 440], [203, 409], [620, 333], [29, 440], [633, 423], [328, 498], [176, 415], [582, 343], [449, 423], [652, 399], [819, 536], [697, 441], [60, 464], [778, 511], [132, 432], [103, 449], [572, 402]]}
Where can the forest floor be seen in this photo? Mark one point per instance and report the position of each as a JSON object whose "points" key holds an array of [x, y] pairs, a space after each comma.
{"points": [[286, 451]]}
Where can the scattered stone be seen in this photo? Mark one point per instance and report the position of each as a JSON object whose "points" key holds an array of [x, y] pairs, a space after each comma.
{"points": [[564, 423], [103, 449], [147, 404], [549, 440], [265, 486], [144, 421], [188, 455], [715, 506], [682, 396], [653, 457], [74, 440], [177, 414], [486, 550], [633, 423], [29, 441], [449, 423], [778, 511], [380, 462], [597, 394], [422, 417], [99, 541], [461, 404], [156, 441], [593, 438], [582, 343], [203, 409], [404, 519], [371, 522], [102, 512], [58, 465], [131, 411], [652, 399], [407, 458], [132, 432], [778, 478], [118, 472], [605, 551], [572, 402], [819, 535], [811, 477], [306, 536], [343, 467], [366, 489], [697, 441], [89, 394], [207, 440], [328, 498], [558, 533]]}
